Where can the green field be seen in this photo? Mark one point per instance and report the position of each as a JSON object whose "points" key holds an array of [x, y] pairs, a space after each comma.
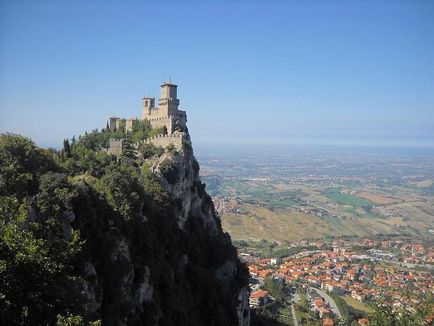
{"points": [[297, 197], [345, 199], [253, 193], [356, 304], [263, 209]]}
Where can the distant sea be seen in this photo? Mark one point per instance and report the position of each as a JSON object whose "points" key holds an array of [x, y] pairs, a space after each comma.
{"points": [[273, 149]]}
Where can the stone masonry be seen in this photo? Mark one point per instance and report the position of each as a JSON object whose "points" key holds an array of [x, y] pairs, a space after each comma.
{"points": [[166, 115]]}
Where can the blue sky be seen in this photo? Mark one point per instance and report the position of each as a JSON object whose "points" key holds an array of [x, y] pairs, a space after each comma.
{"points": [[306, 72]]}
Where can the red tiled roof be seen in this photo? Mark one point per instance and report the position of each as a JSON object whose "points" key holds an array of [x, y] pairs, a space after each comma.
{"points": [[259, 294], [328, 322]]}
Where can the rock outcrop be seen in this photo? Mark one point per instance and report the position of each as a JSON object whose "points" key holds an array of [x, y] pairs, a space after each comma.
{"points": [[194, 205], [132, 240], [177, 267]]}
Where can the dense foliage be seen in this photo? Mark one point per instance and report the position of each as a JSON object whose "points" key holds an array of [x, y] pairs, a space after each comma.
{"points": [[350, 314], [87, 153], [66, 218], [385, 315], [277, 311]]}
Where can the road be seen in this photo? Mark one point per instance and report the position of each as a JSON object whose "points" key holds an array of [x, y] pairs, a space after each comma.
{"points": [[297, 298], [332, 304], [294, 316]]}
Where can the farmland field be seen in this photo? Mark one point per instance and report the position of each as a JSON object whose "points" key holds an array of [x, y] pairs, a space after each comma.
{"points": [[294, 196], [341, 198]]}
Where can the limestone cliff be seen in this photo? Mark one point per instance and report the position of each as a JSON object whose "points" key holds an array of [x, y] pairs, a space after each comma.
{"points": [[195, 213], [129, 241], [201, 257], [187, 271]]}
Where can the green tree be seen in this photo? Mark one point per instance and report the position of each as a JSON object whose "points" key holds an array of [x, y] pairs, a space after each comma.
{"points": [[37, 244], [147, 150], [66, 148], [123, 189], [20, 165], [169, 170], [384, 315], [277, 289], [128, 151]]}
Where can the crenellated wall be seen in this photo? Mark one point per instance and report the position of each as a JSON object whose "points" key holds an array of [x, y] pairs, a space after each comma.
{"points": [[162, 122], [166, 140]]}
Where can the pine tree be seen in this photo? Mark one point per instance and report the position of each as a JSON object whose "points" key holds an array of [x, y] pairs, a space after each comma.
{"points": [[67, 148], [128, 151]]}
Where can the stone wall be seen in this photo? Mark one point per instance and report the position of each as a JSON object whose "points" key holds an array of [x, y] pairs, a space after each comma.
{"points": [[129, 124], [115, 147], [152, 113], [165, 140], [114, 123], [161, 122]]}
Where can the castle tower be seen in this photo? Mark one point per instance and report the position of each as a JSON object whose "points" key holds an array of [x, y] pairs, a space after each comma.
{"points": [[129, 123], [114, 123], [167, 114], [148, 106], [168, 99]]}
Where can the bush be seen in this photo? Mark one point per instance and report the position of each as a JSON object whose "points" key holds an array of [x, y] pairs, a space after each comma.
{"points": [[171, 148], [148, 150], [169, 170], [187, 144], [20, 165]]}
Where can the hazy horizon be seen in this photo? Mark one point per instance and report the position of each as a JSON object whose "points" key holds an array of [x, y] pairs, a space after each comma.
{"points": [[402, 145]]}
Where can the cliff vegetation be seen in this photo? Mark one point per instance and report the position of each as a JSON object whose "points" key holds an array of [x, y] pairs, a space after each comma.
{"points": [[88, 238]]}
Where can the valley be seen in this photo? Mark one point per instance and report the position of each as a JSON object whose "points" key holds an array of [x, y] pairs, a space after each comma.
{"points": [[316, 193]]}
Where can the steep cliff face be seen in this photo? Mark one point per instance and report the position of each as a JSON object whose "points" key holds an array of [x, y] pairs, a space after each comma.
{"points": [[137, 244], [186, 272], [195, 213], [178, 172]]}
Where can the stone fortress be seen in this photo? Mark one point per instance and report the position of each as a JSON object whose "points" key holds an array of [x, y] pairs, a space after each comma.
{"points": [[165, 115]]}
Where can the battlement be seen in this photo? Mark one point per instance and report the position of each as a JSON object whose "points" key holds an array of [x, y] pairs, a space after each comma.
{"points": [[163, 140], [165, 136], [158, 118], [166, 115]]}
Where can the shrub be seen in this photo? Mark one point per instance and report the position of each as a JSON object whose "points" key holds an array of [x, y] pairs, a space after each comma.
{"points": [[171, 148], [148, 150], [169, 170]]}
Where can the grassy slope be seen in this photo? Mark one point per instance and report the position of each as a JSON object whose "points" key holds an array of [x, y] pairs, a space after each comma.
{"points": [[356, 304], [346, 199], [270, 211], [263, 223]]}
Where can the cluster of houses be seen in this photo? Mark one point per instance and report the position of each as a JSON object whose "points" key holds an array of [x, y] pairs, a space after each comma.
{"points": [[319, 305], [351, 269]]}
